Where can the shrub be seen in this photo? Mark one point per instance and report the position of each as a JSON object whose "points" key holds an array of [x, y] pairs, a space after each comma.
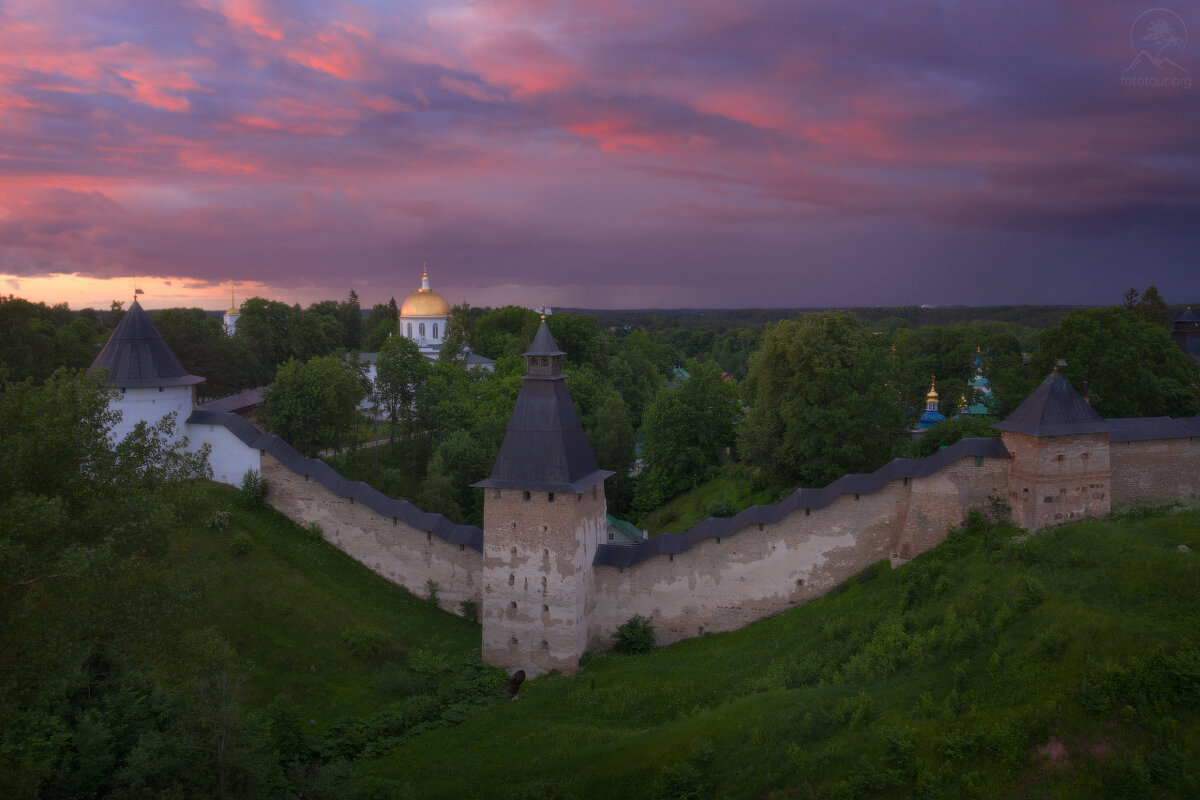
{"points": [[1032, 594], [469, 610], [254, 489], [363, 641], [722, 507], [217, 521], [431, 593], [314, 531], [241, 544], [635, 636]]}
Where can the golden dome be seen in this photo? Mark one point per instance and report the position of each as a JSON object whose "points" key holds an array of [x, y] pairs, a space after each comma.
{"points": [[233, 309], [933, 395], [425, 302]]}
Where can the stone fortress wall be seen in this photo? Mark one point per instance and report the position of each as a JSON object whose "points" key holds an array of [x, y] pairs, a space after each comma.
{"points": [[545, 581], [724, 573]]}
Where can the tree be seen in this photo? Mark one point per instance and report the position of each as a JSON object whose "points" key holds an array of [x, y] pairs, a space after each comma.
{"points": [[264, 329], [36, 339], [458, 461], [613, 441], [1131, 366], [400, 372], [821, 404], [311, 403], [317, 331], [350, 315], [947, 433], [687, 429], [458, 332], [504, 331], [380, 325], [78, 518], [206, 350], [1152, 308]]}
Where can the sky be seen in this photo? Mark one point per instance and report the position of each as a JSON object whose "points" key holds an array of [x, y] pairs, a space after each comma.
{"points": [[599, 154]]}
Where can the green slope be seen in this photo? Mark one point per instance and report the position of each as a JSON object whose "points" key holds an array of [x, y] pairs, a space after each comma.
{"points": [[1059, 664], [286, 602]]}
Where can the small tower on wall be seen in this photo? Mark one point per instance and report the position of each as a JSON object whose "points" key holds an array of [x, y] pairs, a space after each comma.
{"points": [[543, 518], [1059, 447], [148, 379]]}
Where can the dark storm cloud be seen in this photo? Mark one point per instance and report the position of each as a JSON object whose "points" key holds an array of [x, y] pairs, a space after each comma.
{"points": [[597, 146]]}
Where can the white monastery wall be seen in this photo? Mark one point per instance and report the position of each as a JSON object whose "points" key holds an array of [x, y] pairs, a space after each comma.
{"points": [[386, 545], [229, 457], [725, 583], [150, 404]]}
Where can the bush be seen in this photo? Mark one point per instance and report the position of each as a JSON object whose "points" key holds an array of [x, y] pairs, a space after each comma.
{"points": [[254, 489], [363, 641], [1032, 594], [469, 610], [722, 507], [314, 531], [241, 544], [431, 593], [635, 636], [217, 521]]}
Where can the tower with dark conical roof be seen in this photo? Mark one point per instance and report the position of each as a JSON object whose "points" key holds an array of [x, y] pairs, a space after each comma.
{"points": [[1060, 455], [149, 380], [543, 518]]}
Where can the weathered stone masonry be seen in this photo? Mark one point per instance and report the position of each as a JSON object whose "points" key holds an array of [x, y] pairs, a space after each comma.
{"points": [[389, 546]]}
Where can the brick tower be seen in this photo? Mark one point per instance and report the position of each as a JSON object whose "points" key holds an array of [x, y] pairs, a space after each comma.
{"points": [[1060, 457], [543, 517]]}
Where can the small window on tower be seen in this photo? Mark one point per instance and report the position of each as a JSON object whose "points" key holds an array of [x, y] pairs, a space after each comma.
{"points": [[435, 330], [409, 334], [421, 330], [550, 497], [525, 496]]}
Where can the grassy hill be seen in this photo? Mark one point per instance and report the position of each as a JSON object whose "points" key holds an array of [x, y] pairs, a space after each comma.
{"points": [[1060, 664], [1001, 664]]}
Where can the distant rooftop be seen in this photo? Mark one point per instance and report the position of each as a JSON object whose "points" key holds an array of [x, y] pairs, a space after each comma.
{"points": [[235, 402]]}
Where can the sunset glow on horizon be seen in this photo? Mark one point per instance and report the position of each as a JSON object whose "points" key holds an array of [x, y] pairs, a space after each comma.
{"points": [[597, 153]]}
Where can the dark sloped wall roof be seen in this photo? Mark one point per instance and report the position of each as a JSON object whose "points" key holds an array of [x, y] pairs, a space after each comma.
{"points": [[327, 477], [897, 469], [1140, 429]]}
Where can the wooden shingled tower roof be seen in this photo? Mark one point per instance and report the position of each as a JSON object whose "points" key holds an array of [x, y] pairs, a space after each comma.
{"points": [[1054, 409], [136, 355], [545, 448]]}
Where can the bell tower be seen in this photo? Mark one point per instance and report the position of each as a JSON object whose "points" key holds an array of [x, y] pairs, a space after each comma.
{"points": [[543, 518]]}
